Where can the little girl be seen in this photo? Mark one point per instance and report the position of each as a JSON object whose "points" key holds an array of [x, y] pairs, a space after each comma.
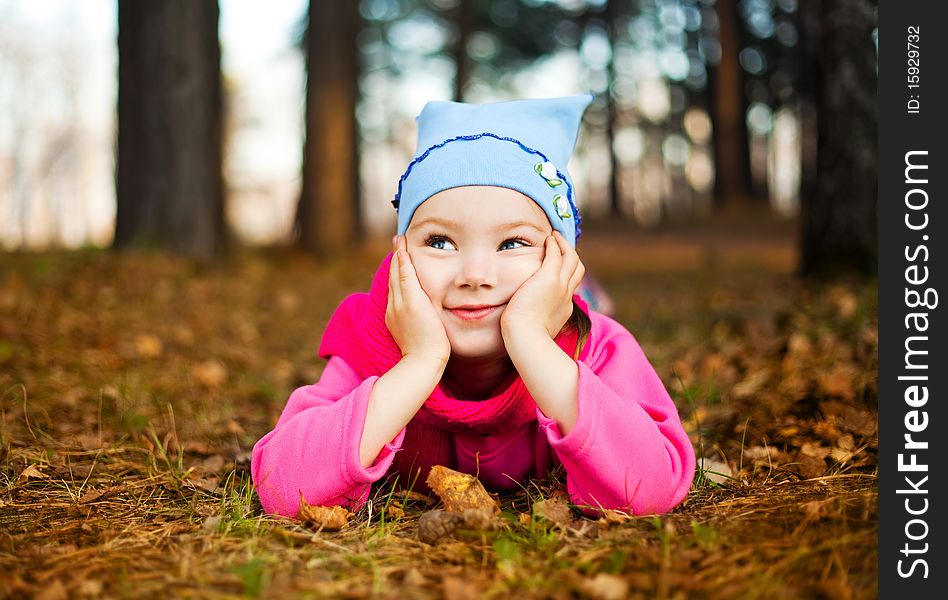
{"points": [[471, 349]]}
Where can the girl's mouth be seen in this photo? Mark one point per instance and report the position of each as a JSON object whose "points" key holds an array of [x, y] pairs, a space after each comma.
{"points": [[472, 313]]}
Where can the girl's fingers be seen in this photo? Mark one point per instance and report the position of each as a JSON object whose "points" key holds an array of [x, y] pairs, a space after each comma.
{"points": [[411, 287], [394, 276], [576, 278], [552, 259], [406, 272], [570, 258]]}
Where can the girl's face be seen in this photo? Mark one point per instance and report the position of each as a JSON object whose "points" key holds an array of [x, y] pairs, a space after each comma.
{"points": [[472, 248]]}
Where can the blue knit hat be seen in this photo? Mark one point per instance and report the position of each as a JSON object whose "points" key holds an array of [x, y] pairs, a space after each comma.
{"points": [[523, 145]]}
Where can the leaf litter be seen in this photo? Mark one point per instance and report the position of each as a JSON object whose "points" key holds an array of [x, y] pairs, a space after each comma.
{"points": [[132, 388]]}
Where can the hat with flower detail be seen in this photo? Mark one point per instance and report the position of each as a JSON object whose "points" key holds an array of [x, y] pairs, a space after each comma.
{"points": [[523, 145]]}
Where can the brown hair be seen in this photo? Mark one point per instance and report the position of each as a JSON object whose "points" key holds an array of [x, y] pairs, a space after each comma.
{"points": [[579, 321]]}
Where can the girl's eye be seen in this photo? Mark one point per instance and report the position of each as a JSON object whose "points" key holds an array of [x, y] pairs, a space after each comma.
{"points": [[440, 243], [512, 244]]}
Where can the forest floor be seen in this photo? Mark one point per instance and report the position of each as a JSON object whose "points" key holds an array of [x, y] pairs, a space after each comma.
{"points": [[133, 386]]}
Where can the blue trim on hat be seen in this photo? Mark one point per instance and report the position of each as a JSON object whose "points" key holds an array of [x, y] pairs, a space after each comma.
{"points": [[569, 187]]}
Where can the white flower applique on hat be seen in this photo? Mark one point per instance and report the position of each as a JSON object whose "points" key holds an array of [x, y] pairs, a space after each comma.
{"points": [[547, 170], [562, 206]]}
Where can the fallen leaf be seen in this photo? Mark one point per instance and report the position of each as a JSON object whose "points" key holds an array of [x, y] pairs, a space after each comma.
{"points": [[54, 591], [483, 518], [288, 301], [846, 442], [749, 386], [210, 373], [840, 455], [788, 431], [798, 345], [323, 518], [457, 588], [212, 523], [614, 517], [212, 464], [412, 495], [760, 452], [413, 577], [716, 470], [30, 472], [91, 588], [845, 301], [605, 586], [554, 509], [838, 383], [208, 484], [93, 495], [848, 418], [814, 450], [459, 491], [148, 346], [184, 335], [584, 529]]}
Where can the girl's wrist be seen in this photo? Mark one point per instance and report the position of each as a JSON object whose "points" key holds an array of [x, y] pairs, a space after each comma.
{"points": [[522, 328], [525, 341], [425, 362]]}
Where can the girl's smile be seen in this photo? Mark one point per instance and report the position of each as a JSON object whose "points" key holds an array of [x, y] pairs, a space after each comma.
{"points": [[474, 313]]}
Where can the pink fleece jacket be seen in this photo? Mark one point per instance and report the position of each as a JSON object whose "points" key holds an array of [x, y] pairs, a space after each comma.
{"points": [[628, 450]]}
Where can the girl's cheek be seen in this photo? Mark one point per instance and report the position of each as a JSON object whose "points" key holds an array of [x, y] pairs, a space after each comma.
{"points": [[427, 276]]}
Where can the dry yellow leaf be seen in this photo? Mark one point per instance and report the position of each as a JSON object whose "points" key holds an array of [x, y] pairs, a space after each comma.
{"points": [[839, 383], [210, 373], [459, 491], [554, 509], [31, 472], [605, 586], [458, 588], [101, 494], [614, 517], [148, 345], [323, 518]]}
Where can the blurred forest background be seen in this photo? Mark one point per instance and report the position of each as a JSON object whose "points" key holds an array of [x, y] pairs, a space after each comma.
{"points": [[209, 124]]}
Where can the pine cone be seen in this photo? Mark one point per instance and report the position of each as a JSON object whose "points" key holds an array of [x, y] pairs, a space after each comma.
{"points": [[436, 524]]}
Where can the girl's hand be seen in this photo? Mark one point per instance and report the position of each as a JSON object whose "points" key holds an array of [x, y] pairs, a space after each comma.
{"points": [[544, 302], [409, 315]]}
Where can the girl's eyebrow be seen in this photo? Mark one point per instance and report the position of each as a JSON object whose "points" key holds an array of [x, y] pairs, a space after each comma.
{"points": [[447, 223]]}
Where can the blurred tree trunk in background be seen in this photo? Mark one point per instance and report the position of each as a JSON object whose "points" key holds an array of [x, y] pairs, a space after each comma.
{"points": [[609, 14], [731, 158], [168, 176], [464, 20], [839, 219], [328, 214]]}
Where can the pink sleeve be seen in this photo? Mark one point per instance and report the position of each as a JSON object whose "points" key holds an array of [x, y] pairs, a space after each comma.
{"points": [[628, 450], [314, 449]]}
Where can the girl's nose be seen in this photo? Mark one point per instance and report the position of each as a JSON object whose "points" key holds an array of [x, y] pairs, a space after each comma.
{"points": [[477, 270]]}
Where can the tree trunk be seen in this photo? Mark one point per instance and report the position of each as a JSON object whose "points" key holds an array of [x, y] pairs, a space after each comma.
{"points": [[464, 19], [328, 216], [731, 159], [615, 199], [839, 220], [168, 176]]}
